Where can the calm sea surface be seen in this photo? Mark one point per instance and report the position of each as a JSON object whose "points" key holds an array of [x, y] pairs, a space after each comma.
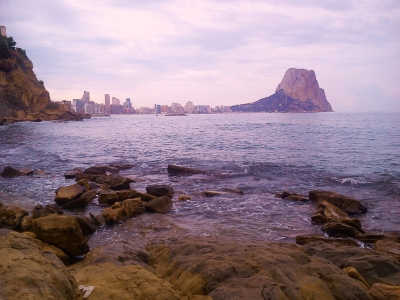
{"points": [[262, 154]]}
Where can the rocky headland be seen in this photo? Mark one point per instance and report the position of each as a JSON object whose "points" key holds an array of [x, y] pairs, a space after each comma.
{"points": [[45, 252], [298, 92]]}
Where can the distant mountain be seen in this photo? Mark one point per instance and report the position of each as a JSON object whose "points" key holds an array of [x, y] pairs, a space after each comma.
{"points": [[298, 92]]}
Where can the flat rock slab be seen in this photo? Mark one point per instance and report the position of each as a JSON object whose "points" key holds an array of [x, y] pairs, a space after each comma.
{"points": [[348, 204], [173, 169]]}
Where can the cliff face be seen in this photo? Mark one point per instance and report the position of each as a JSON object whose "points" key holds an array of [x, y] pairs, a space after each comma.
{"points": [[298, 92], [20, 90]]}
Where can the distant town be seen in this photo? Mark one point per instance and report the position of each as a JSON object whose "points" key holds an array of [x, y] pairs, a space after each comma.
{"points": [[115, 106]]}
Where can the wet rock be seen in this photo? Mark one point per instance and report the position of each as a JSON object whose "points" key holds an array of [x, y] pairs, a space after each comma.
{"points": [[39, 211], [110, 197], [89, 177], [224, 269], [339, 229], [121, 166], [305, 239], [101, 170], [85, 183], [11, 216], [159, 205], [381, 291], [389, 247], [353, 273], [40, 172], [68, 193], [347, 204], [160, 190], [331, 211], [145, 197], [121, 211], [296, 198], [26, 223], [373, 265], [114, 182], [235, 191], [369, 238], [87, 225], [28, 272], [319, 218], [10, 172], [213, 193], [26, 172], [82, 201], [73, 174], [93, 186], [100, 220], [184, 198], [173, 169], [62, 231]]}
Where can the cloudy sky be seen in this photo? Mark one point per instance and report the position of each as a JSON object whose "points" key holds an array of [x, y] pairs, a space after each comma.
{"points": [[210, 52]]}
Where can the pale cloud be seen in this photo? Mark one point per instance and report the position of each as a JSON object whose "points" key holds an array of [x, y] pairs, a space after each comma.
{"points": [[211, 52]]}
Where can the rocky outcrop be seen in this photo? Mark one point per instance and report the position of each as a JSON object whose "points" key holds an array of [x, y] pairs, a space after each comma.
{"points": [[160, 205], [347, 204], [27, 272], [121, 211], [298, 92], [11, 216]]}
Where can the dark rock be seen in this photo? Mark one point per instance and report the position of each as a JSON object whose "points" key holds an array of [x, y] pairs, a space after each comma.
{"points": [[85, 183], [100, 220], [348, 204], [11, 216], [121, 211], [338, 229], [71, 174], [173, 169], [89, 177], [296, 198], [62, 231], [121, 166], [319, 218], [87, 225], [69, 193], [160, 205], [381, 291], [26, 223], [235, 191], [39, 211], [114, 182], [331, 211], [9, 172], [110, 197], [389, 247], [100, 170], [145, 197], [26, 172], [31, 272], [159, 190], [305, 239], [82, 201], [353, 223], [369, 238], [184, 198], [213, 193], [93, 186]]}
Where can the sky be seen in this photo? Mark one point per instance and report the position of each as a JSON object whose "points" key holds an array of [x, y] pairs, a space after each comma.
{"points": [[210, 52]]}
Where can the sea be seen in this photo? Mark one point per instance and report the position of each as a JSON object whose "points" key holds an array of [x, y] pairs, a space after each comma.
{"points": [[262, 154]]}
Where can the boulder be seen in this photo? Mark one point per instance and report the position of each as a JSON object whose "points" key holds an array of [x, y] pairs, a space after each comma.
{"points": [[82, 201], [61, 231], [9, 172], [319, 218], [213, 193], [381, 291], [331, 211], [389, 247], [110, 197], [11, 216], [52, 249], [173, 169], [101, 170], [347, 204], [72, 174], [39, 211], [28, 272], [85, 183], [87, 225], [68, 193], [26, 172], [159, 205], [114, 182], [339, 229], [145, 196], [353, 273], [160, 190], [121, 211], [184, 198], [26, 223], [305, 239]]}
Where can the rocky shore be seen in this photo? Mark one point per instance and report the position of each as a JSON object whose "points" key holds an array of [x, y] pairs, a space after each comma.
{"points": [[45, 252]]}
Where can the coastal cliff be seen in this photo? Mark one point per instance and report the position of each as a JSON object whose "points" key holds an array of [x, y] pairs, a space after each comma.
{"points": [[299, 91]]}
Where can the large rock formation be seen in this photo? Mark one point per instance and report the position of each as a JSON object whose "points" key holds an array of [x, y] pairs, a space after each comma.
{"points": [[298, 92]]}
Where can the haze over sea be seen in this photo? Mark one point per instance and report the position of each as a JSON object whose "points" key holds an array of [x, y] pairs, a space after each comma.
{"points": [[356, 154]]}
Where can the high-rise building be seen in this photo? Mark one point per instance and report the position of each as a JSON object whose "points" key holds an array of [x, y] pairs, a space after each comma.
{"points": [[107, 104], [86, 97], [190, 108]]}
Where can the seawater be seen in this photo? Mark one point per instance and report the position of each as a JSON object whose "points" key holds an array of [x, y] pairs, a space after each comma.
{"points": [[356, 154]]}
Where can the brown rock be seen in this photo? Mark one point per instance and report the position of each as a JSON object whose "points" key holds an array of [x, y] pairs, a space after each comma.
{"points": [[381, 291], [114, 182], [121, 211], [100, 170], [9, 172], [296, 198], [110, 197], [87, 225], [62, 231], [85, 183], [68, 193], [121, 166], [71, 174], [173, 169], [235, 191], [26, 172], [145, 197], [348, 204], [52, 249], [26, 223], [11, 216], [319, 218], [353, 273], [369, 238], [213, 193], [390, 247], [159, 205], [331, 211], [31, 272], [39, 211], [338, 229], [305, 239], [184, 197], [82, 201], [160, 190]]}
